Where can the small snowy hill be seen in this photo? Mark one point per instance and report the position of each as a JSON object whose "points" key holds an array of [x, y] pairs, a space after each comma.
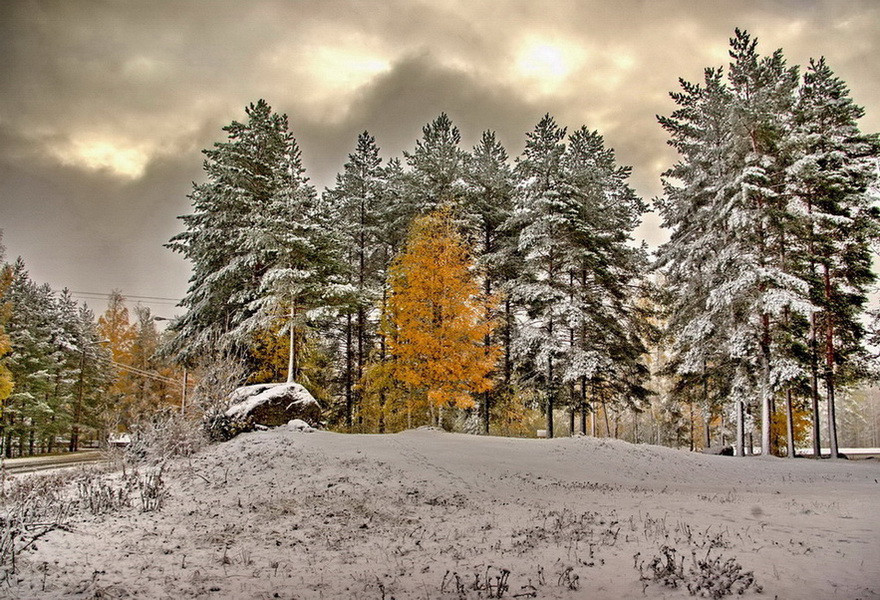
{"points": [[427, 514]]}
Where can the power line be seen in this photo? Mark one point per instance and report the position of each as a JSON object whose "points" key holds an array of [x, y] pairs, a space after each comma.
{"points": [[104, 296], [141, 372]]}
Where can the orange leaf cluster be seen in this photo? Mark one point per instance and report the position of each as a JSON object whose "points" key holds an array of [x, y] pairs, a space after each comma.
{"points": [[437, 318]]}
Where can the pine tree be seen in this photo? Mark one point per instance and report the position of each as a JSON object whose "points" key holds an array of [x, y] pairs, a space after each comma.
{"points": [[357, 201], [437, 166], [579, 278], [485, 208], [257, 242], [541, 287], [731, 219], [606, 316], [831, 177], [436, 320], [222, 236], [36, 356], [295, 236], [89, 412]]}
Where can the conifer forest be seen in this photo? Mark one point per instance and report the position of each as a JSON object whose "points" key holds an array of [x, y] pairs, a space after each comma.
{"points": [[480, 292]]}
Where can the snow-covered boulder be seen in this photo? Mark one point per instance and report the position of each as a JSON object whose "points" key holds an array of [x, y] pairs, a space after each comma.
{"points": [[273, 404]]}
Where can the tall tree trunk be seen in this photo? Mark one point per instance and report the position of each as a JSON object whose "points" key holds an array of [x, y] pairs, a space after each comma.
{"points": [[349, 401], [829, 367], [605, 412], [487, 342], [77, 409], [508, 332], [707, 430], [789, 423], [765, 385], [291, 356], [740, 429], [584, 405], [814, 387], [708, 411], [550, 395], [383, 349], [691, 425]]}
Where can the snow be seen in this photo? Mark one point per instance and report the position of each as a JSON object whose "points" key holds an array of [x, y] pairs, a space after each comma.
{"points": [[245, 399], [428, 514], [300, 425]]}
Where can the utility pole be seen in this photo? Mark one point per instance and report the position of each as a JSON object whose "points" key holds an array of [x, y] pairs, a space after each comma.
{"points": [[183, 398]]}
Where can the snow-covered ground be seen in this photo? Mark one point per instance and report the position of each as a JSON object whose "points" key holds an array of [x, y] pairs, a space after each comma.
{"points": [[425, 514]]}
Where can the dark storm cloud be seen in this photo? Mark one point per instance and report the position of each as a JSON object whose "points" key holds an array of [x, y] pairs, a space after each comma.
{"points": [[105, 105]]}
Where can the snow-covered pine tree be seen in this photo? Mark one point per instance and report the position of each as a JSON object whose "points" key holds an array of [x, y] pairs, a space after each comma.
{"points": [[832, 180], [68, 338], [260, 249], [580, 325], [694, 192], [46, 361], [357, 202], [540, 290], [486, 205], [295, 236], [95, 375], [436, 168], [727, 208], [605, 312], [34, 359], [222, 236]]}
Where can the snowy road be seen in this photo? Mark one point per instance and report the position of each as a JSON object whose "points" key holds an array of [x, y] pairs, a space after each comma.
{"points": [[44, 463]]}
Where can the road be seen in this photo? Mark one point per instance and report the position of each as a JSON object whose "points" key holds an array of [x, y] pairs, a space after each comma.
{"points": [[42, 463]]}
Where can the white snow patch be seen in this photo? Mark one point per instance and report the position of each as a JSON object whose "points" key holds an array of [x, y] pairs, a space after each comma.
{"points": [[300, 425]]}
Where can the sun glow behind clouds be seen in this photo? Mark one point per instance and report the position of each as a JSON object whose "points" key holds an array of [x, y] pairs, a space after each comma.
{"points": [[327, 69], [104, 155], [345, 69], [547, 64]]}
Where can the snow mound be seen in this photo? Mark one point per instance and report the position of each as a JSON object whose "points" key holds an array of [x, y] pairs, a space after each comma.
{"points": [[300, 425]]}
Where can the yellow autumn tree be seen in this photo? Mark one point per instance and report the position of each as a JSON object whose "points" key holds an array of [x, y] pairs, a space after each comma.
{"points": [[6, 383], [114, 327], [435, 323]]}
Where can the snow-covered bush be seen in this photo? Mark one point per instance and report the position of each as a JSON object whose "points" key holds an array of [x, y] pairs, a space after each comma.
{"points": [[219, 427], [164, 436]]}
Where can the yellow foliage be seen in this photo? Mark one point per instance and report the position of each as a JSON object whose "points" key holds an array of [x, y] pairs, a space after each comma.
{"points": [[802, 425], [511, 417], [6, 383], [270, 352], [114, 326], [436, 320]]}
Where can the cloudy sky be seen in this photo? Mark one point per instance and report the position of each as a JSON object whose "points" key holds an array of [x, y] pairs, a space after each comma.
{"points": [[106, 105]]}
